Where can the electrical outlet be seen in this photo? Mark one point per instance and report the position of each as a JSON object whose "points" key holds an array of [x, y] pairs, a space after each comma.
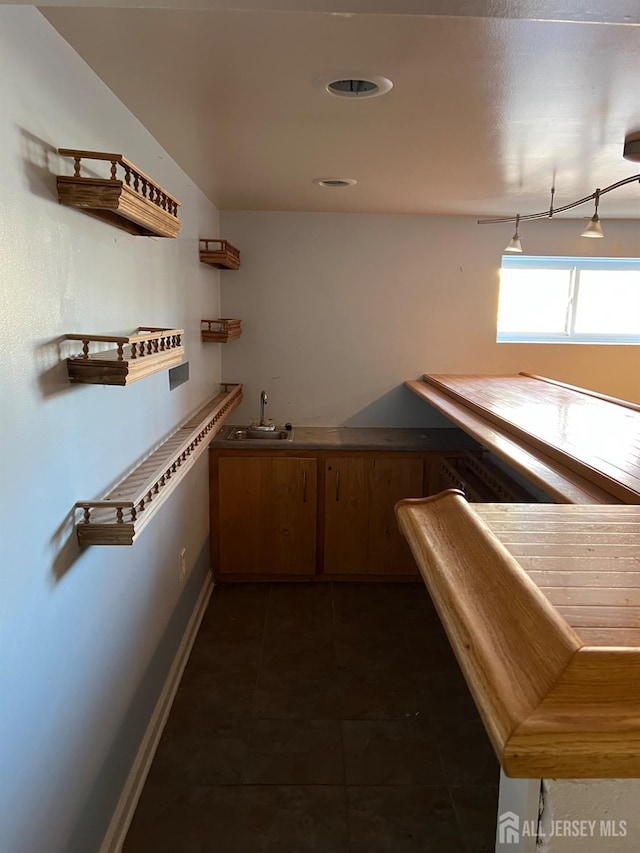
{"points": [[183, 565]]}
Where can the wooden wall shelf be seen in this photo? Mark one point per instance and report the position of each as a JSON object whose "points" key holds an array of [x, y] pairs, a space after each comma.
{"points": [[541, 605], [224, 257], [145, 351], [135, 203], [122, 515], [220, 331]]}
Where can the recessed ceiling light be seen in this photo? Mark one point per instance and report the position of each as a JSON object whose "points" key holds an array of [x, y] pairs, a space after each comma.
{"points": [[357, 85], [335, 183]]}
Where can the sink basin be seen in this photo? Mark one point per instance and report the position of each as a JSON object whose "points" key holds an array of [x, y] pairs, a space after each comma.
{"points": [[248, 434]]}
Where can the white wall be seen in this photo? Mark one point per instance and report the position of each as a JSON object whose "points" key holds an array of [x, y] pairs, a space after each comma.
{"points": [[339, 309], [570, 815], [87, 637], [590, 816]]}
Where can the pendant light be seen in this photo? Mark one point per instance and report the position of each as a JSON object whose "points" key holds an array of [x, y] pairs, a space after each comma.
{"points": [[515, 244], [594, 228]]}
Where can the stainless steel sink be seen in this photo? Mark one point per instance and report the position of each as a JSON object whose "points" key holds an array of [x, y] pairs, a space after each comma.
{"points": [[249, 434]]}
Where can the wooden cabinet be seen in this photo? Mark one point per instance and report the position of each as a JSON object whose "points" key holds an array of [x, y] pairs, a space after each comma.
{"points": [[281, 514], [361, 536], [286, 513], [263, 511]]}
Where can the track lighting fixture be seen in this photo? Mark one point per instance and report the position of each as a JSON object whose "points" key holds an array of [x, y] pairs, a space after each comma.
{"points": [[515, 245], [594, 228]]}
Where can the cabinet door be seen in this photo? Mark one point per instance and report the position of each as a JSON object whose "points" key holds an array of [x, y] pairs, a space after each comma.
{"points": [[266, 515], [346, 523], [361, 532]]}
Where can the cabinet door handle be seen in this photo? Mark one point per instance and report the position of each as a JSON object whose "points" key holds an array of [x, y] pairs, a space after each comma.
{"points": [[338, 484], [304, 487]]}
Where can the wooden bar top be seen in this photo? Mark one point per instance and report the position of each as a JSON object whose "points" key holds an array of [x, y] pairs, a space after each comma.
{"points": [[593, 437], [585, 561], [541, 604]]}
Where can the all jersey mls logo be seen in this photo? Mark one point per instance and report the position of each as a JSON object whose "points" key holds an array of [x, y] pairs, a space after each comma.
{"points": [[508, 828], [511, 828]]}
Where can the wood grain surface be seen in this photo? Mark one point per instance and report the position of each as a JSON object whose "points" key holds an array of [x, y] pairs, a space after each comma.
{"points": [[546, 632], [551, 476], [128, 199], [594, 437], [267, 520]]}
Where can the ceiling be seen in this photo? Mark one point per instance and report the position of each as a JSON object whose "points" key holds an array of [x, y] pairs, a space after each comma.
{"points": [[486, 112]]}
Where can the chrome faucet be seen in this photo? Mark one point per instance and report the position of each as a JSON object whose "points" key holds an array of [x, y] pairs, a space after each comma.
{"points": [[263, 402]]}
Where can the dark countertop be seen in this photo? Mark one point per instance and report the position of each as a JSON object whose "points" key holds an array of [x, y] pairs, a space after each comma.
{"points": [[355, 438]]}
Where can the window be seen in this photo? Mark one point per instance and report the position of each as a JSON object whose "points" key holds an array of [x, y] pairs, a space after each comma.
{"points": [[569, 300]]}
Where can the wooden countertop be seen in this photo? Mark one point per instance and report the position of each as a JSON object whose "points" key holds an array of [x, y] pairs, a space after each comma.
{"points": [[541, 604], [574, 444]]}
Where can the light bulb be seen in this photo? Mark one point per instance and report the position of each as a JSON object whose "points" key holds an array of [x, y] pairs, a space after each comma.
{"points": [[594, 228], [514, 244]]}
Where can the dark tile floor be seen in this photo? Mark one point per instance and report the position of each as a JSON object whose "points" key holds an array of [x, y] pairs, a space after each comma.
{"points": [[320, 718]]}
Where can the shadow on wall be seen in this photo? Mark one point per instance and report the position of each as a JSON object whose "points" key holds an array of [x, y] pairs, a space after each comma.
{"points": [[65, 547], [42, 165], [37, 157], [398, 408], [52, 367]]}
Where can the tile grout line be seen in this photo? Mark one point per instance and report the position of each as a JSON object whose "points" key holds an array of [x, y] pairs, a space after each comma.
{"points": [[348, 829], [344, 758], [456, 816], [252, 717]]}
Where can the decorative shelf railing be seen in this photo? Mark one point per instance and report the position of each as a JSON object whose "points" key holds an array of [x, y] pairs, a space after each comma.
{"points": [[122, 515], [145, 351], [220, 331], [225, 256], [135, 203]]}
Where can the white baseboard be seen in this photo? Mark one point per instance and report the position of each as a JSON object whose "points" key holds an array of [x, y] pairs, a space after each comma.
{"points": [[519, 801], [123, 815]]}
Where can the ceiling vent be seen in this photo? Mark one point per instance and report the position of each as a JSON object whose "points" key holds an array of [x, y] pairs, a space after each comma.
{"points": [[335, 183], [353, 88], [355, 85]]}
